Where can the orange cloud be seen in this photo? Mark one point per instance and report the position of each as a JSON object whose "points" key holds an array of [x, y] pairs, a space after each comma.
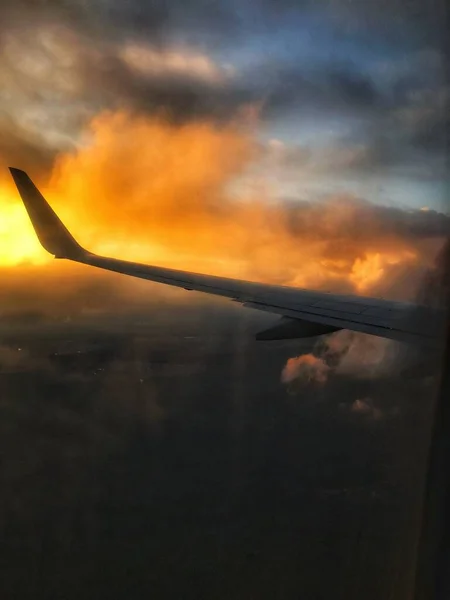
{"points": [[307, 368], [184, 196]]}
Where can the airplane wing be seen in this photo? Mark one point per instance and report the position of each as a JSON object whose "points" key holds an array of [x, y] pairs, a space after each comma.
{"points": [[304, 313]]}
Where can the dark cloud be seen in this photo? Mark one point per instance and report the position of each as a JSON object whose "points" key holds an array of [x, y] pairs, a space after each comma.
{"points": [[20, 147], [427, 120], [416, 20], [101, 26], [347, 226], [331, 87], [62, 78], [371, 154], [102, 78], [403, 133], [79, 68], [354, 88], [180, 95], [162, 19], [155, 21]]}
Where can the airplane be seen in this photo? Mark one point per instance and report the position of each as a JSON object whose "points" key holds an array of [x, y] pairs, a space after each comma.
{"points": [[304, 313]]}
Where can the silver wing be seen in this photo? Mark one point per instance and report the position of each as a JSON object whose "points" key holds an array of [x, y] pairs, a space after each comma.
{"points": [[304, 313]]}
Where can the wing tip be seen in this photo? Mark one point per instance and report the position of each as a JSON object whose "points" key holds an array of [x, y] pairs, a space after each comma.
{"points": [[15, 171], [50, 230]]}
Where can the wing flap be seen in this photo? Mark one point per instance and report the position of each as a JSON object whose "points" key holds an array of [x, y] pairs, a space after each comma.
{"points": [[406, 331]]}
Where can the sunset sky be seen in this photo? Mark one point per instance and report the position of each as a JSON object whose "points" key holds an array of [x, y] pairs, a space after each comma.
{"points": [[151, 446], [194, 124]]}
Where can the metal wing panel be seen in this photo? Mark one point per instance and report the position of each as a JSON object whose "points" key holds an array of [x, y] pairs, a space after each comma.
{"points": [[407, 330], [395, 320]]}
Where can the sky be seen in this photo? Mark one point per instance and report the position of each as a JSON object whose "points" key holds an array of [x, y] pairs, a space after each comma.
{"points": [[194, 125], [293, 142]]}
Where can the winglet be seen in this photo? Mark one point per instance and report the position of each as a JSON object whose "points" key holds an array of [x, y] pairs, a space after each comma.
{"points": [[51, 232]]}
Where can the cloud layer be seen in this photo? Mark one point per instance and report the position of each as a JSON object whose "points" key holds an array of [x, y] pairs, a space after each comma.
{"points": [[63, 62]]}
